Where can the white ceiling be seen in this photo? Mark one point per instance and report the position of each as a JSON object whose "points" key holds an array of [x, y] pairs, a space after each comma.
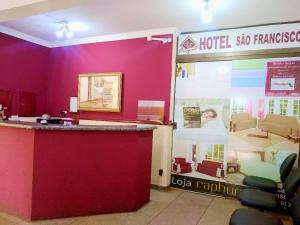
{"points": [[108, 17], [17, 3]]}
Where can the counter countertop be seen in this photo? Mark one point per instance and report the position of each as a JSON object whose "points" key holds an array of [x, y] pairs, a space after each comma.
{"points": [[37, 126]]}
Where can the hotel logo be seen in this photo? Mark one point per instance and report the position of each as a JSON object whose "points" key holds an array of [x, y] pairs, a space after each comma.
{"points": [[188, 45]]}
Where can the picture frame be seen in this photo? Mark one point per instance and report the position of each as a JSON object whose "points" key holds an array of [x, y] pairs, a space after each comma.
{"points": [[100, 92]]}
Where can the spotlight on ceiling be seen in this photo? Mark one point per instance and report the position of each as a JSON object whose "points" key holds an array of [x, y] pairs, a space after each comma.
{"points": [[59, 34], [208, 8], [207, 11], [69, 34], [79, 26], [64, 31]]}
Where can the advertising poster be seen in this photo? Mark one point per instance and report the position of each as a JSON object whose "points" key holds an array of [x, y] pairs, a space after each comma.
{"points": [[283, 78], [151, 111], [241, 130], [191, 117]]}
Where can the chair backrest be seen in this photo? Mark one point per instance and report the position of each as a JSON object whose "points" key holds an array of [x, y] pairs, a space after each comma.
{"points": [[287, 166], [295, 209], [292, 183]]}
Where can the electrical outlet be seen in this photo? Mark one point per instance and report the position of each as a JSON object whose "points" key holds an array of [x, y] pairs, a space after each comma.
{"points": [[160, 172]]}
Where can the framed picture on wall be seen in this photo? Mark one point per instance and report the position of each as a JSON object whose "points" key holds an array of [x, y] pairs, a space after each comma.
{"points": [[100, 92]]}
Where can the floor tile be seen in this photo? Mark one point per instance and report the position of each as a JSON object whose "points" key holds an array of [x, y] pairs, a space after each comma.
{"points": [[287, 222], [64, 221], [105, 219], [164, 196], [5, 221], [219, 211], [173, 207], [9, 217], [137, 219], [151, 209], [187, 209]]}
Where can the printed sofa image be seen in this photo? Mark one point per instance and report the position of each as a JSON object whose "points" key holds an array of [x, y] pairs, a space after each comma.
{"points": [[181, 166], [280, 125], [211, 168], [242, 121]]}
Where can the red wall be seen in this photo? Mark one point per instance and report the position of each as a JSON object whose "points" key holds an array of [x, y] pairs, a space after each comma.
{"points": [[53, 73], [146, 68], [16, 169], [23, 67]]}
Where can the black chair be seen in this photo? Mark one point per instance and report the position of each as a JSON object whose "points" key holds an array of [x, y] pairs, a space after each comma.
{"points": [[268, 201], [269, 185], [244, 216]]}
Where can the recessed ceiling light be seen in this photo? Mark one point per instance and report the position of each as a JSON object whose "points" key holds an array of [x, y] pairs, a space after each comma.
{"points": [[78, 26], [59, 34], [206, 11], [216, 4], [207, 8], [69, 34]]}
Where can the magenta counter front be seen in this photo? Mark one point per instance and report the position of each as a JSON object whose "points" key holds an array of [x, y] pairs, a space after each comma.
{"points": [[57, 171]]}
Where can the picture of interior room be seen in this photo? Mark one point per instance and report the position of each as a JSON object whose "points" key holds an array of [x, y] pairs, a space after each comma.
{"points": [[214, 122], [100, 91], [200, 160], [158, 112], [199, 151], [259, 145]]}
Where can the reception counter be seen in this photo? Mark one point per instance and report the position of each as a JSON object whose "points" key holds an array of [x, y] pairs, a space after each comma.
{"points": [[52, 171]]}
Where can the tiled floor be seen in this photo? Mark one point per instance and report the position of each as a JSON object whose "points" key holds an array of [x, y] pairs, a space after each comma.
{"points": [[172, 207]]}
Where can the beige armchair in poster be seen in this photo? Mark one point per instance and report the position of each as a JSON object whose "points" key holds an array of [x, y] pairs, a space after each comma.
{"points": [[280, 125], [242, 121]]}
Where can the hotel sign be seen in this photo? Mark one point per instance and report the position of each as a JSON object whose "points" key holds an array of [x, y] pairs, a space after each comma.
{"points": [[243, 39]]}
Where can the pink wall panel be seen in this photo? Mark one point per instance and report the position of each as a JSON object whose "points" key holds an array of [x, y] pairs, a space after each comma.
{"points": [[146, 68], [16, 170], [53, 73], [23, 66]]}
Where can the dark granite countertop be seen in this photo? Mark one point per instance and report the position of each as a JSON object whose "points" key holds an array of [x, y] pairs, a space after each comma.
{"points": [[37, 126]]}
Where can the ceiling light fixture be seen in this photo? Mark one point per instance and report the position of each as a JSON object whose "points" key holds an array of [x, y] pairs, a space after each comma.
{"points": [[207, 11], [64, 31]]}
